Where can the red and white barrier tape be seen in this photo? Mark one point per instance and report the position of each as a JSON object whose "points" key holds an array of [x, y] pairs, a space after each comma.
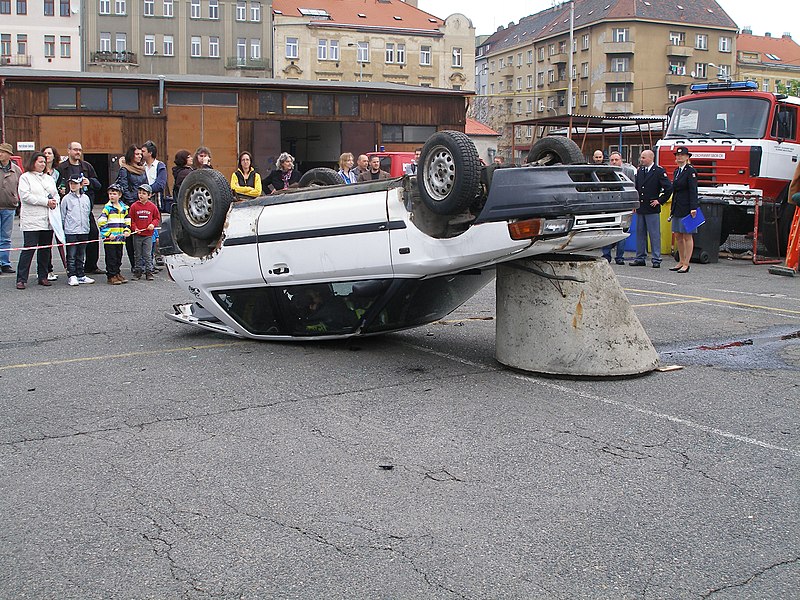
{"points": [[67, 243]]}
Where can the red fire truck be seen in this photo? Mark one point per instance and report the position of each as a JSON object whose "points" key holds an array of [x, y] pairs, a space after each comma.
{"points": [[745, 145]]}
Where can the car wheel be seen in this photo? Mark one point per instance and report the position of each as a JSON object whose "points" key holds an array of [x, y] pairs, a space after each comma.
{"points": [[450, 177], [205, 198], [555, 150], [321, 176]]}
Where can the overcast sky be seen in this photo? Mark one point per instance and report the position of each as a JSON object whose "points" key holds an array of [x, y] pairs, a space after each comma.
{"points": [[775, 16]]}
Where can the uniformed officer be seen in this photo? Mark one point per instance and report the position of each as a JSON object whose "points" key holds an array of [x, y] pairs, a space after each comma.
{"points": [[685, 202]]}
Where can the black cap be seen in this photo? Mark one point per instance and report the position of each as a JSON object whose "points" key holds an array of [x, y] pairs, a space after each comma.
{"points": [[683, 151]]}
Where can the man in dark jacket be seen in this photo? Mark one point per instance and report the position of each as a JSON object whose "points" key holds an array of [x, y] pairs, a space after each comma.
{"points": [[75, 166], [9, 200], [654, 189], [374, 172]]}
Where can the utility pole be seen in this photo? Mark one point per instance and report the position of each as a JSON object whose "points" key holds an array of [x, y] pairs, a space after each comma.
{"points": [[571, 64]]}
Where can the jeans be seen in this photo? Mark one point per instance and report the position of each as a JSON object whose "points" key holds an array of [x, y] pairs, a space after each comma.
{"points": [[113, 259], [76, 255], [143, 253], [648, 225], [42, 237], [620, 253], [6, 226]]}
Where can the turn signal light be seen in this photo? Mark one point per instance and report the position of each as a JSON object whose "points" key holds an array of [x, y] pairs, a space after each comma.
{"points": [[525, 230]]}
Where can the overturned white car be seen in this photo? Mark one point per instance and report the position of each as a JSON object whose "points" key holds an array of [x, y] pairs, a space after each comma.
{"points": [[329, 260]]}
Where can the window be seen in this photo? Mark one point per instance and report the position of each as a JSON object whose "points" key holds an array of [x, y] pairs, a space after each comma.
{"points": [[49, 8], [255, 49], [529, 105], [49, 46], [322, 105], [519, 58], [149, 45], [700, 70], [322, 50], [149, 8], [22, 7], [620, 34], [677, 38], [584, 98], [169, 45], [519, 84], [677, 66], [63, 8], [255, 11], [585, 41], [5, 9], [540, 78], [213, 46], [120, 7], [105, 41], [241, 51], [701, 41], [168, 8], [195, 46], [457, 57], [725, 73], [333, 49], [406, 133], [291, 47], [724, 44], [296, 104], [785, 124], [5, 44], [105, 7], [61, 98], [389, 53], [562, 47], [124, 99], [241, 11], [121, 42], [529, 82], [362, 54], [213, 9], [551, 76], [530, 57], [401, 54], [574, 72], [195, 9], [22, 44], [540, 106], [94, 99], [270, 103], [585, 69], [619, 65], [502, 63], [540, 54], [425, 55], [618, 93], [551, 50]]}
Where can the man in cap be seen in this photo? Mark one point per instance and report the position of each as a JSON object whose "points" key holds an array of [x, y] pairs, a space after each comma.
{"points": [[76, 166], [654, 189], [9, 200]]}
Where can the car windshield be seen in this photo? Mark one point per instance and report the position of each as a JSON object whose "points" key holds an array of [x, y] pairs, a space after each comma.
{"points": [[715, 117]]}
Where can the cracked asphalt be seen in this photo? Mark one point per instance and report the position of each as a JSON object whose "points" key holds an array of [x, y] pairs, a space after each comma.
{"points": [[143, 459]]}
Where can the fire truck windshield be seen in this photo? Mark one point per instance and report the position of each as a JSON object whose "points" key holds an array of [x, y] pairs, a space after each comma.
{"points": [[716, 117]]}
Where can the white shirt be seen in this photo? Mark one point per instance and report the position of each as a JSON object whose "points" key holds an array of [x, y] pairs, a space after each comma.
{"points": [[151, 171]]}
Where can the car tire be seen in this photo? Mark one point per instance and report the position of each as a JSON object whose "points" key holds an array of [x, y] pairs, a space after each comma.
{"points": [[450, 177], [320, 176], [556, 150], [205, 198]]}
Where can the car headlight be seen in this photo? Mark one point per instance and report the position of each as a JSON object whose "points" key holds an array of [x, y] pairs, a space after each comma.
{"points": [[626, 221], [533, 228]]}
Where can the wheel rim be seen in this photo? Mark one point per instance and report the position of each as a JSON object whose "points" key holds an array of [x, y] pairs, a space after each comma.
{"points": [[440, 174], [199, 205]]}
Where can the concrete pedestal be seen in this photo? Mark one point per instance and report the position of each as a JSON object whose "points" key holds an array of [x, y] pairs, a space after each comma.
{"points": [[567, 327]]}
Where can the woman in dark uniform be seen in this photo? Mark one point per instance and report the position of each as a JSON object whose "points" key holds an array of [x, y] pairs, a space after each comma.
{"points": [[684, 202]]}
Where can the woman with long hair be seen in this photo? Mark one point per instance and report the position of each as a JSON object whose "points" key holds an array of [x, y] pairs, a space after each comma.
{"points": [[245, 181], [284, 175], [131, 175], [37, 193], [183, 166], [202, 158], [53, 159], [346, 162]]}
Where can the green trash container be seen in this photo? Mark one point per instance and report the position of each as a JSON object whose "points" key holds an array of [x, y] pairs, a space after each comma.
{"points": [[706, 238]]}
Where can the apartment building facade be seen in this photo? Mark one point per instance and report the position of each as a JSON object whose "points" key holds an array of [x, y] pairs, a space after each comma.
{"points": [[627, 58], [41, 34], [772, 62], [202, 37], [373, 41]]}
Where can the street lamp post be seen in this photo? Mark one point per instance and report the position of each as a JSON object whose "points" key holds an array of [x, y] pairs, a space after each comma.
{"points": [[360, 62]]}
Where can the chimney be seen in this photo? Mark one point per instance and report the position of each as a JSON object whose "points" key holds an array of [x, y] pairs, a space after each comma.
{"points": [[747, 29], [787, 35], [768, 34]]}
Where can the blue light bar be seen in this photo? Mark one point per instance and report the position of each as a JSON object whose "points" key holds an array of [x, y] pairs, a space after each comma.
{"points": [[724, 85]]}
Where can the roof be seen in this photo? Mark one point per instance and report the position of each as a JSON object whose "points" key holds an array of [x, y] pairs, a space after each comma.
{"points": [[218, 81], [783, 51], [474, 127], [598, 122], [555, 20], [372, 14]]}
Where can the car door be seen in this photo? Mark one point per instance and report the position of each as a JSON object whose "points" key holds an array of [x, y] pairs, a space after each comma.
{"points": [[325, 239]]}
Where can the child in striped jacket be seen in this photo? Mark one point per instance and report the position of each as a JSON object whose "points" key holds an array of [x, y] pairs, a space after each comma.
{"points": [[115, 226]]}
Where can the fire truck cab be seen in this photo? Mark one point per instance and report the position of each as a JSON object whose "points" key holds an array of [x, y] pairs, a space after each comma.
{"points": [[745, 145]]}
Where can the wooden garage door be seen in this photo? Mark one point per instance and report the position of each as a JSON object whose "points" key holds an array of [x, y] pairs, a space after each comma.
{"points": [[213, 126], [97, 135]]}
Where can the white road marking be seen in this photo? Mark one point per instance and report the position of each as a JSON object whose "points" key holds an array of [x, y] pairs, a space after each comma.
{"points": [[646, 279]]}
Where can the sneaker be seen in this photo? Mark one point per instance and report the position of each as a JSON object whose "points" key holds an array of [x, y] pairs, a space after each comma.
{"points": [[620, 261], [85, 279], [72, 280], [637, 263], [137, 275], [52, 276], [149, 277], [112, 280], [7, 269], [121, 279]]}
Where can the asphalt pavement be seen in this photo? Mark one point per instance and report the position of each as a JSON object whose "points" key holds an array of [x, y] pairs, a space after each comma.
{"points": [[145, 459]]}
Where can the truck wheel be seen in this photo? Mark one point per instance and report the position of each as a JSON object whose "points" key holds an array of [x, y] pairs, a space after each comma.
{"points": [[320, 176], [450, 177], [205, 198], [555, 150]]}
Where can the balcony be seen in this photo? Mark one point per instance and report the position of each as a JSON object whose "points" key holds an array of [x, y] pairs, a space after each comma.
{"points": [[16, 60], [618, 47], [618, 77], [618, 108], [236, 63], [676, 50], [673, 79], [506, 70], [559, 59], [106, 56]]}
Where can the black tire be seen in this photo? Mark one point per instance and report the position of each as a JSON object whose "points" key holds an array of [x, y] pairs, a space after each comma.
{"points": [[320, 176], [556, 150], [450, 177], [205, 198]]}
